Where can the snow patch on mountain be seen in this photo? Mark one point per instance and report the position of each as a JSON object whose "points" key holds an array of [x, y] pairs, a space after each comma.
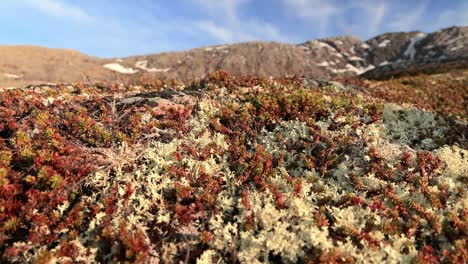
{"points": [[12, 76], [323, 64], [452, 40], [365, 46], [355, 58], [120, 68], [410, 50], [324, 45], [456, 48], [353, 68], [143, 64], [383, 63], [384, 43]]}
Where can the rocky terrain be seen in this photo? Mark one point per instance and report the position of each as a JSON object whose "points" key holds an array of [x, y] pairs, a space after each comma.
{"points": [[330, 57]]}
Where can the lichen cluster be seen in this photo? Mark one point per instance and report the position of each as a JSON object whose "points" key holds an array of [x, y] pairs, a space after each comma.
{"points": [[230, 170]]}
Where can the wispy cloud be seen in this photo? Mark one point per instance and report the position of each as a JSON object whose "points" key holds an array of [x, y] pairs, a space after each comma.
{"points": [[228, 8], [407, 19], [121, 27], [220, 33], [316, 11], [370, 15], [57, 8], [226, 25], [374, 13]]}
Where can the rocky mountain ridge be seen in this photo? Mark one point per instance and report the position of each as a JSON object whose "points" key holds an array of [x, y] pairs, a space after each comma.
{"points": [[341, 56]]}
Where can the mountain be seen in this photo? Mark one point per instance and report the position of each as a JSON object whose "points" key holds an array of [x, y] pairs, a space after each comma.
{"points": [[341, 56]]}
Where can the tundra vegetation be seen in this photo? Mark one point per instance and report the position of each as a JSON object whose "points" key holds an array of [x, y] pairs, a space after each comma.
{"points": [[236, 170]]}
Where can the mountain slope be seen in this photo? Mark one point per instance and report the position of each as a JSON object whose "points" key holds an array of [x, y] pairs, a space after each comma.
{"points": [[329, 57]]}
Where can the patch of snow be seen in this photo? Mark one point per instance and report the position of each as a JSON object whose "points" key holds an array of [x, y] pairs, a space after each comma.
{"points": [[338, 70], [208, 49], [323, 64], [12, 76], [450, 41], [355, 58], [368, 68], [365, 46], [339, 42], [456, 48], [429, 46], [384, 43], [352, 68], [221, 47], [323, 45], [410, 50], [383, 63], [119, 68], [144, 66]]}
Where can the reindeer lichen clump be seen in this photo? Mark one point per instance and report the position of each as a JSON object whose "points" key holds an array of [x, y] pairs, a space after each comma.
{"points": [[233, 169]]}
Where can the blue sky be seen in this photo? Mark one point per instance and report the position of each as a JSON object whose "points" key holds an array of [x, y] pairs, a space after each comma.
{"points": [[116, 28]]}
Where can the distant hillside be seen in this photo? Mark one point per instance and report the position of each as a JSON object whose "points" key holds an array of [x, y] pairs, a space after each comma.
{"points": [[330, 57]]}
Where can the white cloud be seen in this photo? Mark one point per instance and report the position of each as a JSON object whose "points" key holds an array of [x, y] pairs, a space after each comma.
{"points": [[226, 26], [313, 9], [220, 33], [58, 8], [317, 11], [368, 22], [247, 31], [266, 31], [228, 8], [375, 12], [407, 19]]}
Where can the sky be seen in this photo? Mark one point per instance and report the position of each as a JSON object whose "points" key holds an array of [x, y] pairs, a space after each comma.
{"points": [[118, 28]]}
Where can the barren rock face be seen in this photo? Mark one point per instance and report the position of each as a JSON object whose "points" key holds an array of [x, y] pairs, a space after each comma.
{"points": [[329, 57]]}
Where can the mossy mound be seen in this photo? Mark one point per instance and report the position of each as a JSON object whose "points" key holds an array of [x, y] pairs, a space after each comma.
{"points": [[233, 170]]}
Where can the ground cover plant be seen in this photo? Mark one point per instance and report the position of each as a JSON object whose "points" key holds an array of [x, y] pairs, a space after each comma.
{"points": [[236, 170]]}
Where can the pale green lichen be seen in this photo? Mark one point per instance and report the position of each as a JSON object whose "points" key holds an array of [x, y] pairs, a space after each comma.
{"points": [[413, 127]]}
